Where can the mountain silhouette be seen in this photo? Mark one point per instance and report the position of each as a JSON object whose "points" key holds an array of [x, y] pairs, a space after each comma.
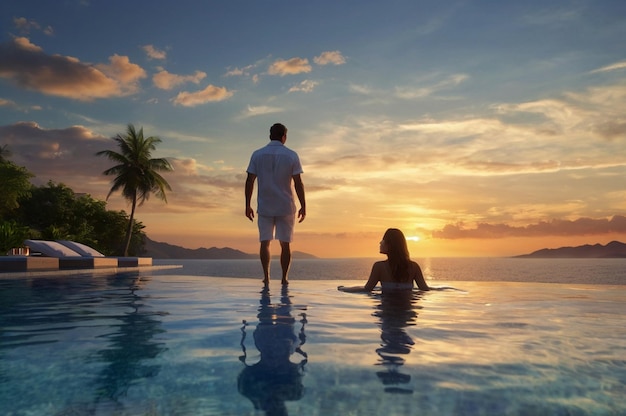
{"points": [[614, 249], [160, 250]]}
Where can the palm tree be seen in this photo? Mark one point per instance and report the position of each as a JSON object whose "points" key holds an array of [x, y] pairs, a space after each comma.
{"points": [[5, 153], [136, 174]]}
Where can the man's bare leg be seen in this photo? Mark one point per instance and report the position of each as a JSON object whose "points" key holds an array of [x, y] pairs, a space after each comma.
{"points": [[285, 261], [264, 254]]}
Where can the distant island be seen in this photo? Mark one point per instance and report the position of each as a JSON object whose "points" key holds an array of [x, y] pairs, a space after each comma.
{"points": [[159, 250], [614, 249]]}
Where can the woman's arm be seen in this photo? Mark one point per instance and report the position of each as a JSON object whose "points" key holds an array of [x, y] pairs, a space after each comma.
{"points": [[418, 277], [352, 289], [371, 282]]}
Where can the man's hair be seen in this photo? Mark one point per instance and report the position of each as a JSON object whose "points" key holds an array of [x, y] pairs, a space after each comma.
{"points": [[277, 131]]}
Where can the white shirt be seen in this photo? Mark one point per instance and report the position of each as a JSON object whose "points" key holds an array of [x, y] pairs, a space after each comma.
{"points": [[274, 166]]}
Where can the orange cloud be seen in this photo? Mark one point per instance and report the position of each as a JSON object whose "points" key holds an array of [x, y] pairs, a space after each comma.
{"points": [[579, 227], [330, 57], [305, 86], [29, 67], [209, 94], [166, 80], [55, 153], [612, 67], [290, 67], [154, 53], [121, 69], [7, 103], [25, 26]]}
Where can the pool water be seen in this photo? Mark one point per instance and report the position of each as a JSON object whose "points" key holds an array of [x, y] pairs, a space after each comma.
{"points": [[141, 344]]}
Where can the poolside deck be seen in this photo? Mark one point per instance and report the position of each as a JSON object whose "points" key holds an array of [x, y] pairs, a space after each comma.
{"points": [[30, 266]]}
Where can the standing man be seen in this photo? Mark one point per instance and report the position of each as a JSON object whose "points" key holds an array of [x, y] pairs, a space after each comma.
{"points": [[275, 166]]}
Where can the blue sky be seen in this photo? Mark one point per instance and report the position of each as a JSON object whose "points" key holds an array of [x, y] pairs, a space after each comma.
{"points": [[477, 127]]}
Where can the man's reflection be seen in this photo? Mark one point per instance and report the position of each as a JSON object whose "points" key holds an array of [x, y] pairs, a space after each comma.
{"points": [[275, 378], [396, 311]]}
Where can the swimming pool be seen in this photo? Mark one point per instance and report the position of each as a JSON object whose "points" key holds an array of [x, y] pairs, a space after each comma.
{"points": [[141, 344]]}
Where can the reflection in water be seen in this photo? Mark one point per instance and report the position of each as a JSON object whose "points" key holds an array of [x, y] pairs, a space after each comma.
{"points": [[42, 315], [131, 342], [274, 379], [396, 311]]}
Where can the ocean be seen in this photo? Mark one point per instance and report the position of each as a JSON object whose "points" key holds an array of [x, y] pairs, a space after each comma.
{"points": [[488, 269]]}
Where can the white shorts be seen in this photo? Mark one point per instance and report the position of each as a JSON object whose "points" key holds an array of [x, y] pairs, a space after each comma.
{"points": [[282, 226]]}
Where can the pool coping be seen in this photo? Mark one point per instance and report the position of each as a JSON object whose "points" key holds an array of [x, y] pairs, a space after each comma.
{"points": [[68, 272]]}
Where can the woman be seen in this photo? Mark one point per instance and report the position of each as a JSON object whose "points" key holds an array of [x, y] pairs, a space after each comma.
{"points": [[397, 272]]}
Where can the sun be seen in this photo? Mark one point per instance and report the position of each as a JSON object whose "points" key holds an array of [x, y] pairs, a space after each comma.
{"points": [[413, 238]]}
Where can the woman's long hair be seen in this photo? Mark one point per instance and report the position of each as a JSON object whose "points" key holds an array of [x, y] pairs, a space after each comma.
{"points": [[397, 254]]}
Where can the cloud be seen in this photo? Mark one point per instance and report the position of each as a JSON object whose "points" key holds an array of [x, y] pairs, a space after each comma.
{"points": [[612, 67], [240, 71], [166, 80], [596, 110], [187, 166], [611, 129], [7, 103], [292, 66], [209, 94], [27, 66], [305, 86], [58, 154], [12, 104], [121, 69], [361, 89], [409, 93], [555, 227], [154, 53], [234, 72], [253, 111], [330, 57], [25, 26]]}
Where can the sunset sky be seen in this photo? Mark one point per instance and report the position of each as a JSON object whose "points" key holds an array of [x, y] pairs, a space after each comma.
{"points": [[479, 128]]}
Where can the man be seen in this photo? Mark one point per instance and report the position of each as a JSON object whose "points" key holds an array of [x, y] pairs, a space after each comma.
{"points": [[275, 166]]}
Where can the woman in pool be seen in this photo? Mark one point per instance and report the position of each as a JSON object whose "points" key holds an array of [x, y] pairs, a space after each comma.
{"points": [[397, 272]]}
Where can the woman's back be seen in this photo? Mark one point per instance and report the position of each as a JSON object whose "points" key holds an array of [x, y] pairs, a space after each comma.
{"points": [[383, 274]]}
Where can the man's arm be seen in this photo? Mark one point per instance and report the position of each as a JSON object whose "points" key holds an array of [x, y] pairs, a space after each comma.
{"points": [[248, 190], [299, 186]]}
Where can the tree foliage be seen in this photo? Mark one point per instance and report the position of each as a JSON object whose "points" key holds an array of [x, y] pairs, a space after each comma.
{"points": [[12, 234], [5, 153], [14, 183], [55, 212], [136, 172]]}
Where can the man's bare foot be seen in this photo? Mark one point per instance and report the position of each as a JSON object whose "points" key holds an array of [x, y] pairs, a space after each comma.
{"points": [[284, 282], [266, 281]]}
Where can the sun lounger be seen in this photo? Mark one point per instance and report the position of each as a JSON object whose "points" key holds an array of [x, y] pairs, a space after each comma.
{"points": [[50, 249], [65, 255], [86, 251], [80, 248], [68, 258]]}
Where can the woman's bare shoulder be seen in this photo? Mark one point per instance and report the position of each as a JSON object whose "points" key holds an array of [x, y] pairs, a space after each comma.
{"points": [[413, 266]]}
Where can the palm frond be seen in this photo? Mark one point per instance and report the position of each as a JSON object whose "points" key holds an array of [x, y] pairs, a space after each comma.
{"points": [[135, 170]]}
